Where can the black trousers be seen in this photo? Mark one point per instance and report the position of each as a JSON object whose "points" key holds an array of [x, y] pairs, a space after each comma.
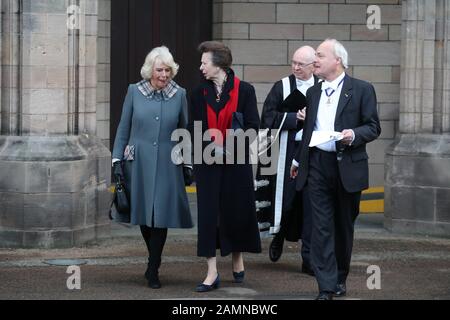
{"points": [[154, 238], [306, 228], [304, 225], [334, 212]]}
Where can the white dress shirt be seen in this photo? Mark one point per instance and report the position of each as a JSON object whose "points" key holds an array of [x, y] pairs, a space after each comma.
{"points": [[326, 113], [304, 85]]}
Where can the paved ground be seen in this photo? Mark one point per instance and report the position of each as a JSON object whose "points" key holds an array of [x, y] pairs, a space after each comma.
{"points": [[411, 268]]}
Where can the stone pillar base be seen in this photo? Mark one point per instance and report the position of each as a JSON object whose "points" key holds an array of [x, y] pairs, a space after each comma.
{"points": [[53, 191], [417, 185]]}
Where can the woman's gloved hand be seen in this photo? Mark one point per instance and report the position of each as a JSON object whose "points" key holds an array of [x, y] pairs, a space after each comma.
{"points": [[188, 176], [118, 171]]}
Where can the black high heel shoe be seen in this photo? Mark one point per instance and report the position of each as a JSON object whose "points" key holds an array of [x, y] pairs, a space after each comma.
{"points": [[238, 276], [202, 287]]}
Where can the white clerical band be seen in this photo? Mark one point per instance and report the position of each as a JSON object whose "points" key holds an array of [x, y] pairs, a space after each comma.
{"points": [[281, 166]]}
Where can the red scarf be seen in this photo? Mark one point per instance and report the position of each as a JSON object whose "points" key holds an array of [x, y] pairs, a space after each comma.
{"points": [[222, 122]]}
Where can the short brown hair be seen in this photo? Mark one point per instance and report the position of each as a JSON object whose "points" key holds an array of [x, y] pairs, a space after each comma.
{"points": [[220, 53]]}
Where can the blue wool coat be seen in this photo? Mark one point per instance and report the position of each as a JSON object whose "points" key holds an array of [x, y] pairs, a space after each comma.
{"points": [[156, 185]]}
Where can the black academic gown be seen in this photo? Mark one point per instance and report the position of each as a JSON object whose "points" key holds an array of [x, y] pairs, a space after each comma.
{"points": [[292, 209]]}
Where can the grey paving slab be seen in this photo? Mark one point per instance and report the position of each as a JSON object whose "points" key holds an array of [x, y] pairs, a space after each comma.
{"points": [[411, 267]]}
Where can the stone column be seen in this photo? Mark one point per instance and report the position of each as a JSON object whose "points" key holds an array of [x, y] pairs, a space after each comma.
{"points": [[417, 184], [54, 171]]}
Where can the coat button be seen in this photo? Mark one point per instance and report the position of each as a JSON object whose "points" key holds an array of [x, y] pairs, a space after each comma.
{"points": [[155, 144], [157, 118]]}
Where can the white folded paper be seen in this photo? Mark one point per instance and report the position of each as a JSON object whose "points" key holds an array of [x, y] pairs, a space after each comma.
{"points": [[320, 137]]}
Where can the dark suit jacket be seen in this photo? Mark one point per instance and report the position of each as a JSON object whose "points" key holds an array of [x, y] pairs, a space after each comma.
{"points": [[357, 110]]}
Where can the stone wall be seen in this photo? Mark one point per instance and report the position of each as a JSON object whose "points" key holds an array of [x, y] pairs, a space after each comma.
{"points": [[417, 180], [54, 171], [263, 35], [103, 70]]}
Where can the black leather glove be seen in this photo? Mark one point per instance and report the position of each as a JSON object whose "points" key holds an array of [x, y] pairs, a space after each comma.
{"points": [[188, 176], [118, 172]]}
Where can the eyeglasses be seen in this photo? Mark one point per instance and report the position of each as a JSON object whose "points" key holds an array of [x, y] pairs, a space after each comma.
{"points": [[301, 65]]}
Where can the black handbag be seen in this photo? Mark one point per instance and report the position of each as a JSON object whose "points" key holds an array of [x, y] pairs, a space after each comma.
{"points": [[120, 199], [188, 176], [120, 205]]}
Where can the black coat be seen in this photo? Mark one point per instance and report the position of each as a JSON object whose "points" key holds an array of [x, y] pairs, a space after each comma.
{"points": [[357, 110], [225, 192]]}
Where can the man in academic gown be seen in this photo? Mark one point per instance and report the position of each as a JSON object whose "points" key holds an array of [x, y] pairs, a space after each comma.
{"points": [[292, 226]]}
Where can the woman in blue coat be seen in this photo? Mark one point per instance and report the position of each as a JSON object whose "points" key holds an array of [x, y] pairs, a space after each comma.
{"points": [[153, 109], [225, 192]]}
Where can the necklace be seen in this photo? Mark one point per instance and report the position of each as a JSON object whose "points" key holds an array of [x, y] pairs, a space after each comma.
{"points": [[219, 89]]}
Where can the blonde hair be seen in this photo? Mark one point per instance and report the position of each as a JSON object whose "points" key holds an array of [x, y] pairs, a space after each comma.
{"points": [[162, 54]]}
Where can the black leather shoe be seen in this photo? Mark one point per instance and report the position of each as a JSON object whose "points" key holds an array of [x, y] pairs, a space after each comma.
{"points": [[153, 281], [151, 274], [238, 276], [307, 270], [341, 290], [151, 266], [276, 248], [202, 287], [325, 295]]}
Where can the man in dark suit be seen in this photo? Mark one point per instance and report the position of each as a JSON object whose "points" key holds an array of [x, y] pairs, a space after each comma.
{"points": [[294, 208], [337, 171]]}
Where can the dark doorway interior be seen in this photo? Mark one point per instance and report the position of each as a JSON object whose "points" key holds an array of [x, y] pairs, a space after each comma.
{"points": [[137, 26]]}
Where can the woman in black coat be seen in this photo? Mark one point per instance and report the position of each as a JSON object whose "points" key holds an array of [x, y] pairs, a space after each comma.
{"points": [[225, 190]]}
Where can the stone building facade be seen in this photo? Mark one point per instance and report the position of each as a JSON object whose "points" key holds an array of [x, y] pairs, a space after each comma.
{"points": [[54, 170], [417, 178], [55, 103], [263, 35], [407, 60]]}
